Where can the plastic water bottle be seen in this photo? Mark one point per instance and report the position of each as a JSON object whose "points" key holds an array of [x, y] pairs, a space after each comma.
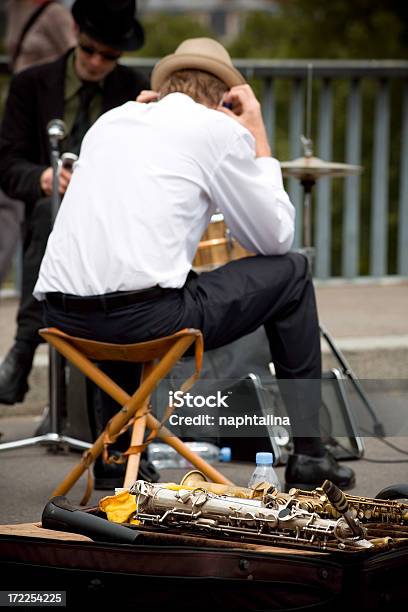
{"points": [[164, 456], [264, 472], [207, 451]]}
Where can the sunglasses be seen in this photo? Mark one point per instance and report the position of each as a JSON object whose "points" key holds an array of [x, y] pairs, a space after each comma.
{"points": [[89, 50]]}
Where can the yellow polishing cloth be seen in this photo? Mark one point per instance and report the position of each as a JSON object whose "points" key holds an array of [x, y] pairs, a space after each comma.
{"points": [[119, 508]]}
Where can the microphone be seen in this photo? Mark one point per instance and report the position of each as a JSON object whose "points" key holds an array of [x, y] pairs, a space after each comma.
{"points": [[56, 130]]}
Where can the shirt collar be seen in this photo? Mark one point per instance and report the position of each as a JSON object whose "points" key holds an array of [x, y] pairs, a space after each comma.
{"points": [[72, 81]]}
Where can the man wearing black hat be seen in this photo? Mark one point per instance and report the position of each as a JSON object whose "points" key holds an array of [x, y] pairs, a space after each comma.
{"points": [[77, 88]]}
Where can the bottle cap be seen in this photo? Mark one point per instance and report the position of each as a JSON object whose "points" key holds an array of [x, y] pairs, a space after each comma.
{"points": [[264, 458], [225, 453]]}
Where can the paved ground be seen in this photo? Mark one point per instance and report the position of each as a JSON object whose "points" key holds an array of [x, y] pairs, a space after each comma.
{"points": [[368, 321], [29, 475]]}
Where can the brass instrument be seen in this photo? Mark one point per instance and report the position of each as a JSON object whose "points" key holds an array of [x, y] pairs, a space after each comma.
{"points": [[201, 512], [324, 519], [365, 509]]}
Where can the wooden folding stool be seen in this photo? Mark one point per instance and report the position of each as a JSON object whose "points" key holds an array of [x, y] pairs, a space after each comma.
{"points": [[157, 357]]}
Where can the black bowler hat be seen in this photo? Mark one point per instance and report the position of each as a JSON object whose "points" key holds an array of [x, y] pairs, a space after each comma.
{"points": [[111, 22]]}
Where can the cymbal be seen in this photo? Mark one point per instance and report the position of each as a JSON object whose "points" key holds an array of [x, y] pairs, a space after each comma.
{"points": [[314, 168]]}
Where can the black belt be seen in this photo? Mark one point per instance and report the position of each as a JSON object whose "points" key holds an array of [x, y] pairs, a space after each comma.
{"points": [[106, 302]]}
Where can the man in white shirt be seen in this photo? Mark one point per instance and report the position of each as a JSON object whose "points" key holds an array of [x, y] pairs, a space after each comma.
{"points": [[150, 174]]}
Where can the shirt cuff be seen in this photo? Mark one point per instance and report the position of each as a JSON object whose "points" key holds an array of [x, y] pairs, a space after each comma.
{"points": [[271, 166]]}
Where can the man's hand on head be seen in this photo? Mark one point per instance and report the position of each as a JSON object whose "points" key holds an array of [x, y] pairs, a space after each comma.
{"points": [[147, 95], [46, 181], [246, 109]]}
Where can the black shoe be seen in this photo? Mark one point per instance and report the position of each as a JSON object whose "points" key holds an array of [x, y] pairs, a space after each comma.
{"points": [[14, 373], [306, 472], [108, 476]]}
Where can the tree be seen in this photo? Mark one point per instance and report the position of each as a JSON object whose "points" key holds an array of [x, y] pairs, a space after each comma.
{"points": [[362, 29], [165, 32], [330, 30]]}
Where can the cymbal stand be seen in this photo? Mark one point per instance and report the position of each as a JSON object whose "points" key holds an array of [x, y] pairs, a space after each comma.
{"points": [[307, 248], [350, 374]]}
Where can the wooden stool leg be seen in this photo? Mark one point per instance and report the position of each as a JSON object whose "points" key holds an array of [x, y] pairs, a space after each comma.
{"points": [[130, 403], [139, 427], [130, 406]]}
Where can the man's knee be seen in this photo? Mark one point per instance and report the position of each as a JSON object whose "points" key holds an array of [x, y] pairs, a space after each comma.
{"points": [[299, 265]]}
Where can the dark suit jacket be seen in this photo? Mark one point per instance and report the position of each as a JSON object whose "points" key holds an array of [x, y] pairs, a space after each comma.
{"points": [[36, 96]]}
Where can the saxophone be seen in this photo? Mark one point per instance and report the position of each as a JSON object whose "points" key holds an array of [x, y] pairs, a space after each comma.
{"points": [[365, 509], [324, 519], [201, 512]]}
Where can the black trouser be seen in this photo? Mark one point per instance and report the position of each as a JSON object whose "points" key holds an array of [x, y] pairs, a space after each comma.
{"points": [[102, 407], [37, 228], [225, 304]]}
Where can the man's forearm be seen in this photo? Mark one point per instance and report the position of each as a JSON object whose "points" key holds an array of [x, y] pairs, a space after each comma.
{"points": [[262, 148]]}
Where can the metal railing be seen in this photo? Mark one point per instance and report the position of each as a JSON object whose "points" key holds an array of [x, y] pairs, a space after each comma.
{"points": [[360, 116]]}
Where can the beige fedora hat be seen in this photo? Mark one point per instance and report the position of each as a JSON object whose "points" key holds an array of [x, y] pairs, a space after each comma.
{"points": [[201, 54]]}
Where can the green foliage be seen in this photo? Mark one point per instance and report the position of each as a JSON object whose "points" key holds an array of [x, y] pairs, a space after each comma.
{"points": [[362, 29], [165, 32], [329, 30]]}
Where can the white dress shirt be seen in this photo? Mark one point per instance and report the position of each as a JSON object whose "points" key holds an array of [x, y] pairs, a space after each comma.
{"points": [[147, 181]]}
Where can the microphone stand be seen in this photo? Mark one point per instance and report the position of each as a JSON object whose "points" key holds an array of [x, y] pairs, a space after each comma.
{"points": [[57, 387]]}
